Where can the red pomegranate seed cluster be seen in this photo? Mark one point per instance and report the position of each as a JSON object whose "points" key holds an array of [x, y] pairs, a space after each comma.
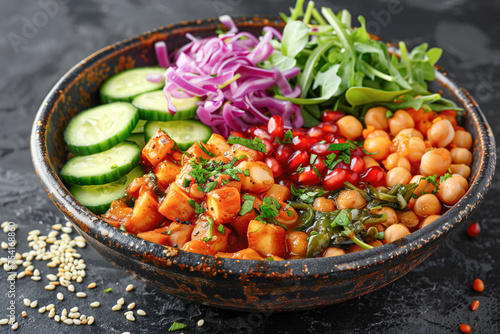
{"points": [[299, 154]]}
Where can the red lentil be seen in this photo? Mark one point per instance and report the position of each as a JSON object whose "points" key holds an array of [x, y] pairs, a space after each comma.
{"points": [[474, 306], [473, 230], [478, 285], [465, 328]]}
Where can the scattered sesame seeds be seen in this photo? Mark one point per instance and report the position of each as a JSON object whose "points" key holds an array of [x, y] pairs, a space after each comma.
{"points": [[91, 320], [68, 321], [27, 302], [15, 325], [116, 308], [71, 288], [60, 296], [57, 318], [4, 321], [201, 322], [92, 285], [77, 322], [129, 287], [130, 317], [141, 313], [131, 306], [51, 277], [34, 304], [81, 294], [74, 309], [50, 287], [24, 314], [120, 301], [128, 312], [95, 304]]}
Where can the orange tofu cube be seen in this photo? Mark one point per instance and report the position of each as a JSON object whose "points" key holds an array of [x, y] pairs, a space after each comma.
{"points": [[218, 144], [279, 192], [158, 148], [175, 204], [266, 239], [165, 172], [223, 204], [145, 216]]}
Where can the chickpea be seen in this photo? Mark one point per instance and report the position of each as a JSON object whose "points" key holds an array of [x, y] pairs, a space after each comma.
{"points": [[408, 218], [395, 160], [461, 169], [422, 184], [411, 133], [378, 133], [284, 217], [462, 139], [350, 199], [462, 180], [395, 232], [441, 133], [333, 251], [450, 191], [350, 127], [379, 227], [429, 220], [380, 146], [427, 205], [436, 161], [416, 149], [400, 121], [397, 175], [392, 216], [376, 118], [324, 204], [296, 243], [369, 161], [460, 155]]}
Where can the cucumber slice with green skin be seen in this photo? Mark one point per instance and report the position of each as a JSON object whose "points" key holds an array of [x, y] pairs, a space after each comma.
{"points": [[138, 138], [126, 85], [103, 167], [98, 129], [184, 133], [139, 128], [98, 198], [154, 106]]}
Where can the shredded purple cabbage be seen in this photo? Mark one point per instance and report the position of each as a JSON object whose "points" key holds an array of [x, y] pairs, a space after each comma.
{"points": [[223, 71]]}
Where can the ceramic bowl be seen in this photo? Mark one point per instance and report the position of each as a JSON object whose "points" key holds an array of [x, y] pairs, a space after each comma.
{"points": [[244, 285]]}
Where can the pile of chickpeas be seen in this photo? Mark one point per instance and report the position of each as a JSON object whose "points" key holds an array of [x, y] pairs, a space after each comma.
{"points": [[410, 145]]}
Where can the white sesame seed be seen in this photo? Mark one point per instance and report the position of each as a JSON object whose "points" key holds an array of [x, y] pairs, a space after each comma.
{"points": [[15, 325], [36, 272], [95, 304], [68, 321], [67, 229], [34, 304], [131, 306], [75, 315], [51, 277], [92, 285], [52, 313], [83, 317], [130, 317], [21, 274], [81, 294], [81, 244], [141, 313], [36, 278], [50, 306], [63, 317], [26, 302], [24, 314], [201, 322], [4, 321], [128, 312], [50, 287], [42, 309], [126, 333], [57, 318], [79, 279], [5, 245], [116, 308], [129, 287], [5, 223], [120, 301], [71, 288], [30, 268], [60, 296], [74, 309], [64, 312], [91, 320]]}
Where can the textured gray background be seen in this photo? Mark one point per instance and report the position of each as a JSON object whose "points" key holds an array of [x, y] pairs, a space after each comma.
{"points": [[433, 298]]}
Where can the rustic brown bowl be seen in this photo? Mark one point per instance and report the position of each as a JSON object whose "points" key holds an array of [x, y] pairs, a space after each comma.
{"points": [[237, 284]]}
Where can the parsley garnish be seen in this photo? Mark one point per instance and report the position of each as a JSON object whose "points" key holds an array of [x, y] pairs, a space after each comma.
{"points": [[122, 227], [431, 180], [313, 158], [207, 152], [270, 258], [186, 182], [445, 177], [176, 326], [305, 195], [247, 205], [255, 144], [221, 229], [197, 208], [208, 187], [210, 230], [287, 139], [316, 170], [246, 172], [342, 219], [344, 151]]}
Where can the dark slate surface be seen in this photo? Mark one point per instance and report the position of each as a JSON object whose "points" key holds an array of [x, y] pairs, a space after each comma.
{"points": [[433, 298]]}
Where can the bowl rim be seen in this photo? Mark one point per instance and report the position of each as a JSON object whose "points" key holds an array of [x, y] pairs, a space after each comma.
{"points": [[142, 250]]}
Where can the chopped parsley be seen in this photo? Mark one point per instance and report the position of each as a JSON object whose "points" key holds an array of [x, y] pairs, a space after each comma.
{"points": [[342, 219], [306, 195], [254, 144], [270, 258], [247, 205], [108, 290], [210, 230], [344, 152], [316, 170], [197, 208], [221, 229], [186, 182], [445, 177], [122, 227], [287, 139], [176, 326]]}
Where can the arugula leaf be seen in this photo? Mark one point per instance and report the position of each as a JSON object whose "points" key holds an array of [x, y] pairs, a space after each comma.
{"points": [[342, 219], [295, 38]]}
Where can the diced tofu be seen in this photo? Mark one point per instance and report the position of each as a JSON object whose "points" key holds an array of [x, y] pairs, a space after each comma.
{"points": [[218, 242], [244, 254], [158, 148], [266, 239], [176, 205], [196, 151], [260, 176], [179, 234], [218, 144], [223, 204], [145, 216], [165, 172]]}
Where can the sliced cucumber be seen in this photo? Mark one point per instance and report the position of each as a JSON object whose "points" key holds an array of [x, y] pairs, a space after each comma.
{"points": [[98, 129], [153, 106], [184, 133], [139, 128], [98, 198], [138, 138], [104, 167], [126, 85]]}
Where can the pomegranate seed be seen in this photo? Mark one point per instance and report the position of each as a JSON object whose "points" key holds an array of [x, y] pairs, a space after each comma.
{"points": [[315, 132], [308, 177], [357, 164], [352, 177], [358, 152], [320, 149], [374, 175], [275, 126], [342, 165], [262, 134], [298, 132], [474, 306], [251, 130], [294, 177], [238, 134], [465, 328], [320, 165], [329, 137], [329, 127], [301, 143], [478, 285], [473, 230], [269, 146], [283, 152], [335, 179], [284, 182], [296, 159], [275, 166], [340, 140], [332, 116]]}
